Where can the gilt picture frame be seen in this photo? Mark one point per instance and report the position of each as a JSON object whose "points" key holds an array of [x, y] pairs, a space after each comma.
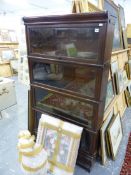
{"points": [[125, 79], [128, 98], [109, 93], [129, 87], [114, 67], [115, 134], [104, 144], [119, 81]]}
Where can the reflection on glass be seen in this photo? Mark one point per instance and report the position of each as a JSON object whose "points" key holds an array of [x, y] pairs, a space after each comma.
{"points": [[56, 103], [74, 78], [71, 42]]}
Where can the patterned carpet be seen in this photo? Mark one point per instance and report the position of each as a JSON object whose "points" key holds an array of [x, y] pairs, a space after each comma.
{"points": [[126, 167]]}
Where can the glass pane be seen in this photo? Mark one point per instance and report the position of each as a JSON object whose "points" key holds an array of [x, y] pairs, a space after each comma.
{"points": [[74, 78], [71, 42], [58, 104]]}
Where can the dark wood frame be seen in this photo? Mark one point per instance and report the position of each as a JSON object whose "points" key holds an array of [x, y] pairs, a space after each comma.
{"points": [[89, 142]]}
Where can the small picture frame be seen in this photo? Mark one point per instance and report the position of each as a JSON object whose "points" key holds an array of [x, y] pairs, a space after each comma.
{"points": [[123, 26], [104, 143], [126, 67], [12, 35], [112, 8], [119, 81], [130, 67], [71, 50], [115, 134], [114, 67], [125, 79], [5, 35], [8, 54], [109, 93], [128, 98], [129, 87]]}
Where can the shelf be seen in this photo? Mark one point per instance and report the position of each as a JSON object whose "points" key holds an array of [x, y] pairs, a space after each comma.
{"points": [[120, 51], [9, 43]]}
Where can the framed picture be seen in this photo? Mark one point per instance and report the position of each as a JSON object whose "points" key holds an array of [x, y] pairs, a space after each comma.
{"points": [[129, 67], [71, 50], [5, 36], [123, 26], [113, 9], [8, 54], [114, 67], [129, 87], [126, 67], [97, 3], [12, 35], [104, 143], [119, 81], [109, 93], [5, 70], [115, 135], [125, 79], [128, 97]]}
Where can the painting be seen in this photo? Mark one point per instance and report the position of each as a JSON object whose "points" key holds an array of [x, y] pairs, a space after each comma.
{"points": [[115, 135], [7, 54], [112, 8], [104, 144], [126, 67], [71, 50], [129, 87], [5, 35], [128, 98], [125, 79], [109, 94], [129, 67], [114, 67], [97, 3], [12, 35], [119, 81], [123, 26]]}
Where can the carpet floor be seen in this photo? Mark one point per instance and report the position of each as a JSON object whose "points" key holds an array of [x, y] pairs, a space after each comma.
{"points": [[126, 167]]}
